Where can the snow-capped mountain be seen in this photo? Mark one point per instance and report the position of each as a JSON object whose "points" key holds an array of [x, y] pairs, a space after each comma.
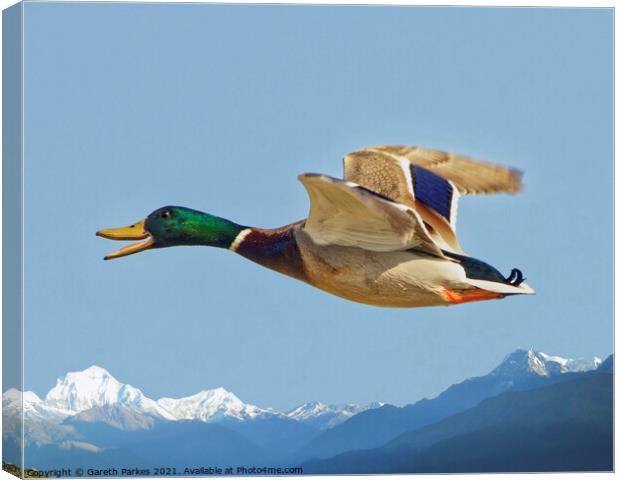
{"points": [[13, 398], [569, 364], [325, 416], [530, 362], [212, 406], [94, 395], [95, 387], [34, 408]]}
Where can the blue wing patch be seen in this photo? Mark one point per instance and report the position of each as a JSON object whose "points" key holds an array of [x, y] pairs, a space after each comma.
{"points": [[433, 191]]}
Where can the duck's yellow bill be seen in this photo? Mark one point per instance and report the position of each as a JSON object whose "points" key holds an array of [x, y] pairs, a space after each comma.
{"points": [[132, 232]]}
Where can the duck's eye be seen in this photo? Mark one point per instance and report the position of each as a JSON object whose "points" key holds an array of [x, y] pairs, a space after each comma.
{"points": [[166, 214]]}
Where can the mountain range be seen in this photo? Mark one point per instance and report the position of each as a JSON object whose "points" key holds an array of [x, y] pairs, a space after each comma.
{"points": [[94, 394], [89, 418]]}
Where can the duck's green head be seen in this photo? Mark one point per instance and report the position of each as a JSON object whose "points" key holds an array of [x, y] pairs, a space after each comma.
{"points": [[172, 226]]}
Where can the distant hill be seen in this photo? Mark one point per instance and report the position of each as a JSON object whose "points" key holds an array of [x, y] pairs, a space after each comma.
{"points": [[564, 426], [607, 366], [174, 443], [117, 416], [278, 436]]}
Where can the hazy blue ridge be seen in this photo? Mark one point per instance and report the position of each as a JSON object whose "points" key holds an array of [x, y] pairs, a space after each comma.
{"points": [[96, 443], [173, 443], [375, 427], [279, 436], [608, 365], [560, 427]]}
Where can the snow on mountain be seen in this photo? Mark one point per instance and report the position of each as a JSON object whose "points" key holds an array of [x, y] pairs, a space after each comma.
{"points": [[212, 406], [527, 362], [14, 397], [95, 387], [33, 407], [572, 365], [14, 400], [325, 416]]}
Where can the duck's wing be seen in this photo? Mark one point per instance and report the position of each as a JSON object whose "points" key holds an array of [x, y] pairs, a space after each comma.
{"points": [[470, 176], [429, 181], [347, 214]]}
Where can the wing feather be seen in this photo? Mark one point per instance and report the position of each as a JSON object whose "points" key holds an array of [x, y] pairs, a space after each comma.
{"points": [[471, 176], [429, 181], [347, 214], [432, 196]]}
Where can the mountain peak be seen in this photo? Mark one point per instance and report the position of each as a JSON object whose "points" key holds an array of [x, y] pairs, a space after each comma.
{"points": [[532, 362], [95, 371], [212, 405], [13, 395], [95, 387], [216, 392], [325, 416], [308, 409], [89, 377], [28, 404]]}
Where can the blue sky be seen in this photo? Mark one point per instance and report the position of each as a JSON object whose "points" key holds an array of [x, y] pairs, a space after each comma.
{"points": [[219, 108]]}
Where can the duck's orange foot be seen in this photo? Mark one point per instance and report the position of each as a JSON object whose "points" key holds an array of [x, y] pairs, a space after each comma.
{"points": [[471, 295]]}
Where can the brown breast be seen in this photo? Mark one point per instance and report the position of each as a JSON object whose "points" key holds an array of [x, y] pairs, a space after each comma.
{"points": [[276, 249]]}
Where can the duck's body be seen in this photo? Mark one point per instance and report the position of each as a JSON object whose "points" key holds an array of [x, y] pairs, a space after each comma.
{"points": [[387, 279], [385, 236]]}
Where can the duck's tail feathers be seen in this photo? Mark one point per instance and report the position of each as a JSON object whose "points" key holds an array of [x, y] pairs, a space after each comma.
{"points": [[505, 288]]}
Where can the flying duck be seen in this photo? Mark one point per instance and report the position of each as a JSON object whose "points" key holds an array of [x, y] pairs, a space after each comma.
{"points": [[385, 235]]}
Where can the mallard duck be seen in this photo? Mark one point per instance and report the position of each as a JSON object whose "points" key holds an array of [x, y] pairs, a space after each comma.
{"points": [[383, 236]]}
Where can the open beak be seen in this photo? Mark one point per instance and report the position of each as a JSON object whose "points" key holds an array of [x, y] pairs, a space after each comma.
{"points": [[132, 232]]}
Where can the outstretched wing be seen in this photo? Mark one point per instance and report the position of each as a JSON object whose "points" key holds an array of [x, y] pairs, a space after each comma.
{"points": [[429, 181], [470, 176], [344, 213]]}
